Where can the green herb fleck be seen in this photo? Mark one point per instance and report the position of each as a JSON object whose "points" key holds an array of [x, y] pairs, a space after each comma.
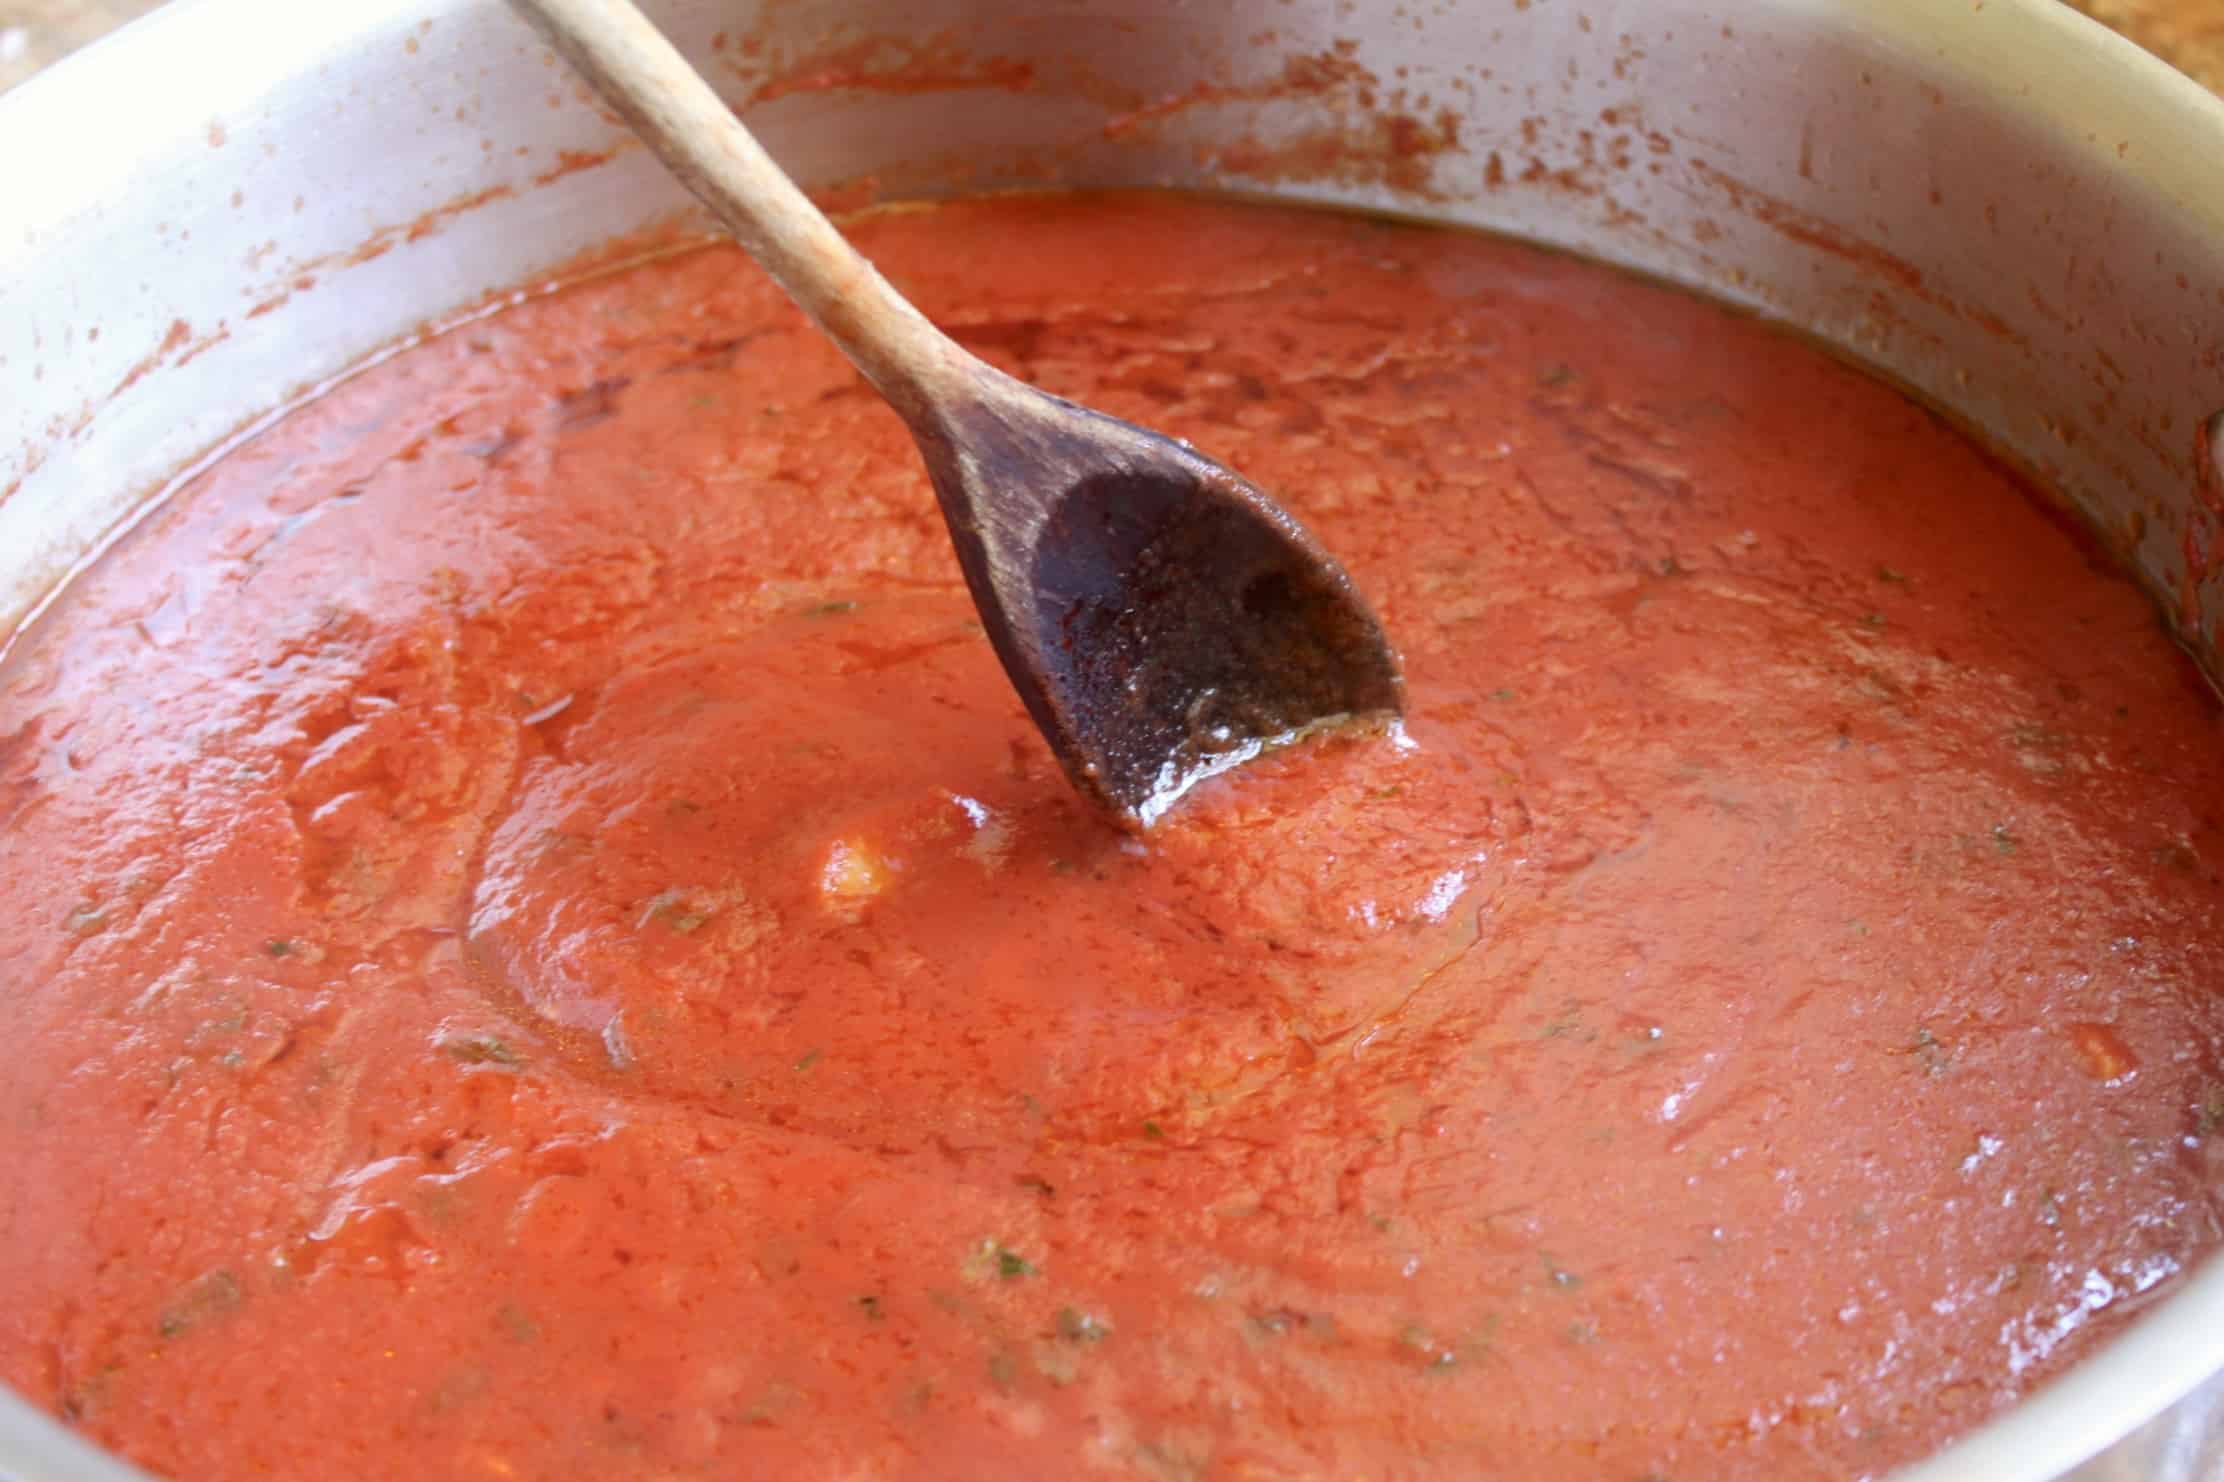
{"points": [[676, 910], [1076, 1326], [2031, 736], [2179, 856], [870, 1306], [557, 842], [2003, 842], [211, 1296], [1153, 1131], [1873, 621], [1060, 1363], [481, 1049], [1886, 573], [84, 1399], [1568, 1024], [994, 1261], [280, 947], [774, 1400], [1503, 692], [1557, 1274], [1436, 1357], [1931, 1053], [1002, 1368], [511, 1319], [810, 1058], [1556, 375], [830, 609], [2212, 1109]]}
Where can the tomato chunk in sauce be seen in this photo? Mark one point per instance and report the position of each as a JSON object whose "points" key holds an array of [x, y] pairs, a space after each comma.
{"points": [[537, 942]]}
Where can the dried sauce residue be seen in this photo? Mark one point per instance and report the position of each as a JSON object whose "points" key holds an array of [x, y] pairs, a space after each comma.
{"points": [[1335, 73], [572, 161], [2208, 464], [1364, 135], [893, 64], [1397, 150], [1810, 230], [178, 346], [303, 275], [2202, 541], [176, 338], [1356, 131]]}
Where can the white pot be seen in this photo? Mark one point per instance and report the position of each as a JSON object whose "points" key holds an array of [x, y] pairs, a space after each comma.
{"points": [[1999, 204]]}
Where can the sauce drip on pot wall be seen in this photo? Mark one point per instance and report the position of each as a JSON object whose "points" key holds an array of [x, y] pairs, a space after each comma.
{"points": [[539, 943]]}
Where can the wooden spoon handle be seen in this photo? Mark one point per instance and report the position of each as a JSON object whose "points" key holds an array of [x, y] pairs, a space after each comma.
{"points": [[641, 74]]}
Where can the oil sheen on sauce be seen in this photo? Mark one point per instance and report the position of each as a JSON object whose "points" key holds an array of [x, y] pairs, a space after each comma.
{"points": [[538, 943]]}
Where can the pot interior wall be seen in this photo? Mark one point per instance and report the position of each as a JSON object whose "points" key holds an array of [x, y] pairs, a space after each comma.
{"points": [[323, 180], [1871, 173]]}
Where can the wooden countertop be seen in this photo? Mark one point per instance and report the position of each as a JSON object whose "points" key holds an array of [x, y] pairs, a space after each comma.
{"points": [[36, 32], [2189, 34]]}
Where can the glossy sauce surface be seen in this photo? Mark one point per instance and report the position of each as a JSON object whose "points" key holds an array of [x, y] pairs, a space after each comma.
{"points": [[537, 941]]}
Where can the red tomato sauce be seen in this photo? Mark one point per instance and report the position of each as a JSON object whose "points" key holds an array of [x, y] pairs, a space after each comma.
{"points": [[538, 942]]}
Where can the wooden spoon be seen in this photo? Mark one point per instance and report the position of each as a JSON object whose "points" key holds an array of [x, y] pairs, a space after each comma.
{"points": [[1162, 619]]}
